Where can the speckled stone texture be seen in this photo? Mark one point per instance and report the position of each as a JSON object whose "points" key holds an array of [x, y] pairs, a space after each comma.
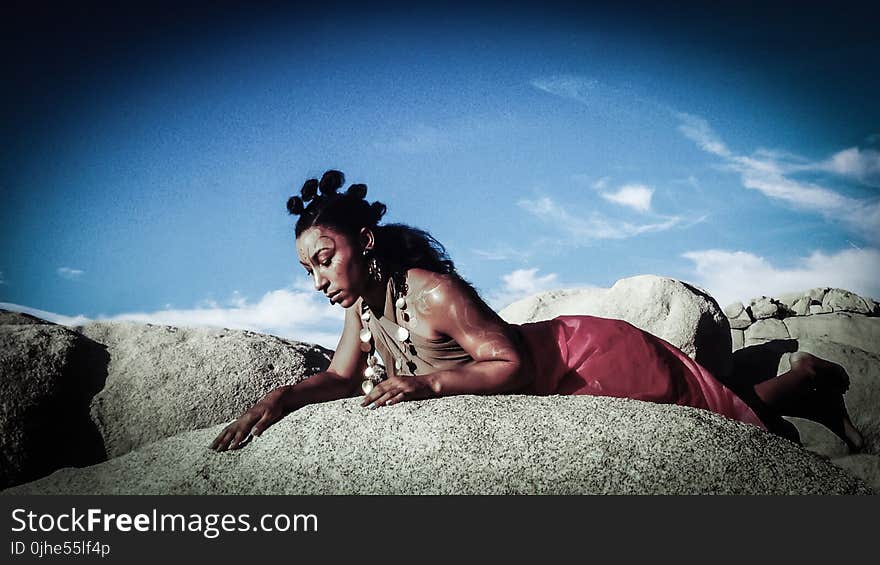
{"points": [[474, 445], [163, 380], [47, 375], [683, 315]]}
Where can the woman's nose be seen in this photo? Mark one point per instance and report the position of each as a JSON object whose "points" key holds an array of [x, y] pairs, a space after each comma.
{"points": [[320, 282]]}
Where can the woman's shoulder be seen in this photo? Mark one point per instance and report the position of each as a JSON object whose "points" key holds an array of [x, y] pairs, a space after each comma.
{"points": [[429, 289]]}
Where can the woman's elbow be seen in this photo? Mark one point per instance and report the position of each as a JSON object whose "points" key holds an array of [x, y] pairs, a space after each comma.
{"points": [[515, 376]]}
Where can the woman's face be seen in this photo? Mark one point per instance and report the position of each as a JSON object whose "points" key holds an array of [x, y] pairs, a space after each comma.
{"points": [[337, 268]]}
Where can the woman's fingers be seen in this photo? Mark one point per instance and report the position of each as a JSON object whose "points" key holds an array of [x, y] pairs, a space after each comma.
{"points": [[240, 434], [262, 424], [222, 440], [400, 397], [395, 394], [384, 390]]}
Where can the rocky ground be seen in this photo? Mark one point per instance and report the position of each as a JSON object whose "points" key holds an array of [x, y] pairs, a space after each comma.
{"points": [[131, 408]]}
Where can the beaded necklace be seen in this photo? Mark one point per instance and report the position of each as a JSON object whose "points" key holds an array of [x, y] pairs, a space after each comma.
{"points": [[375, 372]]}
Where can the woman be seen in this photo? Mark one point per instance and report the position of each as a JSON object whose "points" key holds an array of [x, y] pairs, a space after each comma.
{"points": [[434, 336]]}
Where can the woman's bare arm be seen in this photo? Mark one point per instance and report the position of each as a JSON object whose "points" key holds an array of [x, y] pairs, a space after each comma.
{"points": [[340, 380], [445, 305]]}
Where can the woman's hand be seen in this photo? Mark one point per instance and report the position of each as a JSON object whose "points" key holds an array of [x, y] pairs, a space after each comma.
{"points": [[398, 389], [260, 416]]}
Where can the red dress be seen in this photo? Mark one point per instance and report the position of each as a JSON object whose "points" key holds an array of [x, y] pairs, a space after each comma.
{"points": [[605, 357]]}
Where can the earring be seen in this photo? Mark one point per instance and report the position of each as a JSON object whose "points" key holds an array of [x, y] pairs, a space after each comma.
{"points": [[373, 266]]}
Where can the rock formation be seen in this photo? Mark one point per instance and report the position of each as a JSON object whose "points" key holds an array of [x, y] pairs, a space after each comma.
{"points": [[474, 445], [138, 405]]}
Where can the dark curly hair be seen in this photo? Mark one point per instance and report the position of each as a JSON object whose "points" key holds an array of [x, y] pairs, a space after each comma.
{"points": [[398, 246]]}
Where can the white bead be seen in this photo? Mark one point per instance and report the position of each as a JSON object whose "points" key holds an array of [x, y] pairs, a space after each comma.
{"points": [[402, 334], [366, 335], [401, 303], [398, 363], [369, 372], [367, 386], [366, 316]]}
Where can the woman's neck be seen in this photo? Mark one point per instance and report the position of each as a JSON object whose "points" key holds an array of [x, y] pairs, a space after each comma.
{"points": [[374, 297]]}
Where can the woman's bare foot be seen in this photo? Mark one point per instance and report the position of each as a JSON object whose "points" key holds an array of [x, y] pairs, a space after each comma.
{"points": [[820, 397]]}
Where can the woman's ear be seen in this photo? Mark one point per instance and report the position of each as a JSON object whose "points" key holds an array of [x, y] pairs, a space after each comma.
{"points": [[367, 238]]}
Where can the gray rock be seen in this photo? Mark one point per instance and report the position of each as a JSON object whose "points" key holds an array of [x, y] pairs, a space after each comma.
{"points": [[763, 308], [734, 310], [474, 445], [816, 309], [801, 307], [683, 315], [47, 375], [862, 399], [859, 331], [862, 465], [839, 300], [164, 380], [751, 341], [817, 294], [767, 328], [738, 339], [742, 321], [790, 298]]}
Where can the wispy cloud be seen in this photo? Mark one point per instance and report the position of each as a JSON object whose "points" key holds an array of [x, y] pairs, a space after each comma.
{"points": [[2, 280], [635, 196], [862, 165], [68, 273], [738, 275], [297, 313], [591, 226], [421, 139], [567, 86], [520, 284], [592, 92], [770, 172], [45, 315], [503, 252]]}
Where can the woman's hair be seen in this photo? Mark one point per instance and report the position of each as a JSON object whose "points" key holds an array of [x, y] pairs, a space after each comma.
{"points": [[398, 247]]}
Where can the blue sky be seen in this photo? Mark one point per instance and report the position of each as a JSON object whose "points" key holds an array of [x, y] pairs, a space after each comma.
{"points": [[149, 158]]}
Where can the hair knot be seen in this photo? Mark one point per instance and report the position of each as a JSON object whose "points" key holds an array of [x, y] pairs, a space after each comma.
{"points": [[295, 205]]}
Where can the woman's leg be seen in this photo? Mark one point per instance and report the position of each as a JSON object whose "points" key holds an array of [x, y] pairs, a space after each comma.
{"points": [[812, 389]]}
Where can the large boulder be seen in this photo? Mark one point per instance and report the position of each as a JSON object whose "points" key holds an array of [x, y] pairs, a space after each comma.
{"points": [[683, 315], [474, 445], [48, 373], [840, 327], [163, 380], [862, 399]]}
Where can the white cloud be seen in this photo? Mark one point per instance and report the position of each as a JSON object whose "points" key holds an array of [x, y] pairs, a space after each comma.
{"points": [[43, 314], [68, 273], [591, 226], [566, 86], [294, 313], [635, 196], [2, 280], [769, 172], [502, 253], [738, 275], [697, 129], [602, 183], [520, 284], [860, 164], [421, 139]]}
